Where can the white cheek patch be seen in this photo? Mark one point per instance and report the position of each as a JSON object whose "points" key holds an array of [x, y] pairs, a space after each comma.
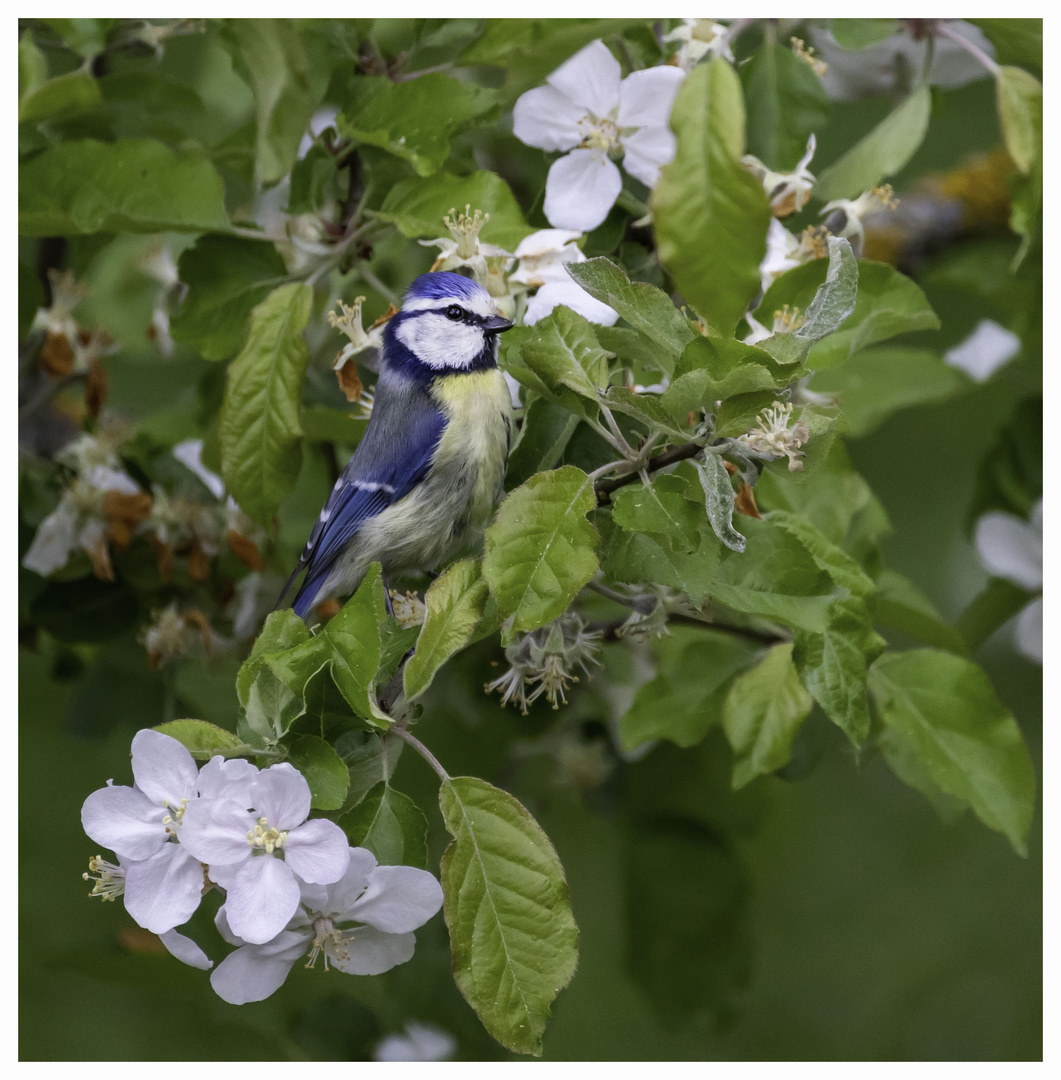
{"points": [[440, 343]]}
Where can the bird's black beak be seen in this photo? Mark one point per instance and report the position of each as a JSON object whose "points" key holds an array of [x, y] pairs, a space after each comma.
{"points": [[496, 324]]}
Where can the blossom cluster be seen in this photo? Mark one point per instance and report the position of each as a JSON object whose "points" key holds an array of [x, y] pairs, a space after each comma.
{"points": [[292, 883]]}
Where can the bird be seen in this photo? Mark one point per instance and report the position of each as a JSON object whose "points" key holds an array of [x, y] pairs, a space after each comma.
{"points": [[425, 478]]}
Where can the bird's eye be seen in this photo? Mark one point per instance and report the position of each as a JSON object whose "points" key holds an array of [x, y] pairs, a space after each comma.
{"points": [[455, 313]]}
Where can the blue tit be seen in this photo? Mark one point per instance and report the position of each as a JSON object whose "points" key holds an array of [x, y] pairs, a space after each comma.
{"points": [[425, 478]]}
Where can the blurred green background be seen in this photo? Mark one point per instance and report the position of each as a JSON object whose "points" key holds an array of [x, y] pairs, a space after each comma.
{"points": [[830, 914]]}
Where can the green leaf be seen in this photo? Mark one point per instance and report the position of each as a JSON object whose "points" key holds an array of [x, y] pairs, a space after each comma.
{"points": [[874, 383], [643, 306], [272, 52], [415, 120], [312, 181], [455, 603], [133, 185], [540, 550], [833, 303], [1020, 111], [763, 711], [647, 408], [832, 666], [719, 499], [324, 711], [888, 303], [259, 428], [556, 355], [861, 33], [881, 153], [713, 369], [776, 577], [323, 769], [786, 104], [61, 98], [351, 643], [32, 66], [676, 706], [370, 757], [899, 603], [543, 438], [201, 739], [636, 558], [418, 205], [227, 277], [840, 566], [390, 825], [321, 424], [514, 939], [711, 214], [687, 912], [661, 509], [85, 36], [282, 630], [944, 709]]}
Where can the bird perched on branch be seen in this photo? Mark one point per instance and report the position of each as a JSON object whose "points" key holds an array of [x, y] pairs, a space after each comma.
{"points": [[427, 474]]}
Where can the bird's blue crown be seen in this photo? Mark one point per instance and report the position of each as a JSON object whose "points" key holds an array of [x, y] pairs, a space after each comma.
{"points": [[445, 285]]}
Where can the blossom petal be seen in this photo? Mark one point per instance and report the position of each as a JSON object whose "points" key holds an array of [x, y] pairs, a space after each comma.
{"points": [[1010, 548], [590, 78], [343, 894], [984, 351], [372, 952], [420, 1042], [125, 820], [163, 769], [317, 851], [254, 972], [545, 242], [647, 97], [229, 778], [190, 454], [261, 899], [281, 795], [568, 294], [647, 151], [56, 538], [215, 831], [1030, 630], [548, 119], [163, 891], [185, 950], [398, 899], [108, 479], [580, 190]]}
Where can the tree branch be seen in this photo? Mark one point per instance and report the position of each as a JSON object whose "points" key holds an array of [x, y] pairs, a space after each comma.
{"points": [[604, 488]]}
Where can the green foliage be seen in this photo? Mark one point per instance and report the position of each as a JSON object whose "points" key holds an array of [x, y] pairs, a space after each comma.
{"points": [[541, 549], [861, 33], [133, 185], [259, 426], [455, 604], [414, 120], [227, 277], [785, 103], [390, 825], [942, 708], [880, 153], [203, 740], [1020, 108], [711, 215], [762, 713], [514, 939], [323, 769]]}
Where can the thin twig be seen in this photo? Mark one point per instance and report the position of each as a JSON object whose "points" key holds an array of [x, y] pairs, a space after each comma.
{"points": [[385, 291], [943, 30], [604, 488], [422, 750]]}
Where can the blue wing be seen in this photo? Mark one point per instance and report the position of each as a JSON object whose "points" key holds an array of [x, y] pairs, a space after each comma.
{"points": [[391, 459]]}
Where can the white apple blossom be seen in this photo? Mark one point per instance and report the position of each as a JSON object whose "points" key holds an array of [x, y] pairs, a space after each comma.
{"points": [[464, 250], [543, 257], [163, 880], [185, 950], [773, 438], [79, 521], [363, 924], [588, 109], [984, 351], [1013, 549], [848, 217], [700, 38], [417, 1042], [788, 192], [256, 844]]}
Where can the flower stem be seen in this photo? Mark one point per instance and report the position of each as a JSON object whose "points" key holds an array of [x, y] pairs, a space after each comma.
{"points": [[422, 750], [604, 488]]}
